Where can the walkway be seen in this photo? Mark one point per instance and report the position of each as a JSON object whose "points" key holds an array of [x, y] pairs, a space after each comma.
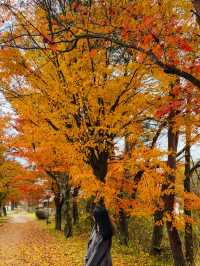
{"points": [[24, 243]]}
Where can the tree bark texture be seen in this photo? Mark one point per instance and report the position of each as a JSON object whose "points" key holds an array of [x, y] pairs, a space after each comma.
{"points": [[75, 212], [58, 215], [169, 195], [189, 245], [68, 226], [157, 234]]}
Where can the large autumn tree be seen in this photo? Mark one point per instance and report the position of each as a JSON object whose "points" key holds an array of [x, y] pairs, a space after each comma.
{"points": [[98, 95], [103, 87]]}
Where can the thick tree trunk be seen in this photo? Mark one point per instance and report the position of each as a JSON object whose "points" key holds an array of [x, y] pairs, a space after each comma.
{"points": [[123, 227], [75, 213], [58, 215], [68, 229], [169, 195], [157, 232], [189, 246], [99, 165]]}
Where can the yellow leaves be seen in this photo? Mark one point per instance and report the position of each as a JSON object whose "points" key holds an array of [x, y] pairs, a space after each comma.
{"points": [[163, 79], [34, 245], [74, 104], [91, 186], [192, 201], [120, 182]]}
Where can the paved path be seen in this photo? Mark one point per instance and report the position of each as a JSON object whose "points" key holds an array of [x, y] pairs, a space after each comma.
{"points": [[24, 243]]}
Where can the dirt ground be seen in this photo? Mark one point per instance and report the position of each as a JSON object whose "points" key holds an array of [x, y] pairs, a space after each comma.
{"points": [[23, 242]]}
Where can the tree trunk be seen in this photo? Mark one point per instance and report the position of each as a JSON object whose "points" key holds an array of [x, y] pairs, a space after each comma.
{"points": [[169, 195], [4, 211], [123, 218], [75, 213], [12, 205], [99, 165], [123, 227], [175, 244], [58, 216], [90, 204], [196, 4], [157, 232], [189, 253], [1, 210], [189, 248], [68, 230]]}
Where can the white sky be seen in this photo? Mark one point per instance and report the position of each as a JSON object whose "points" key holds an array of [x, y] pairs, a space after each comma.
{"points": [[162, 144]]}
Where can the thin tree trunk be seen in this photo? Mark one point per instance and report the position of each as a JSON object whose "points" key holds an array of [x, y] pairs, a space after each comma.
{"points": [[58, 215], [189, 252], [90, 205], [75, 212], [68, 228], [157, 232], [169, 195], [189, 248], [123, 227], [1, 210], [12, 205], [4, 211], [123, 218]]}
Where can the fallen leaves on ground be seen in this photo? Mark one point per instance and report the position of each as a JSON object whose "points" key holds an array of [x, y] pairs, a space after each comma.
{"points": [[26, 242]]}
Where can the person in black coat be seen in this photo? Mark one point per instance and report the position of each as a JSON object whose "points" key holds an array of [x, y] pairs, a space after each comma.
{"points": [[100, 241]]}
